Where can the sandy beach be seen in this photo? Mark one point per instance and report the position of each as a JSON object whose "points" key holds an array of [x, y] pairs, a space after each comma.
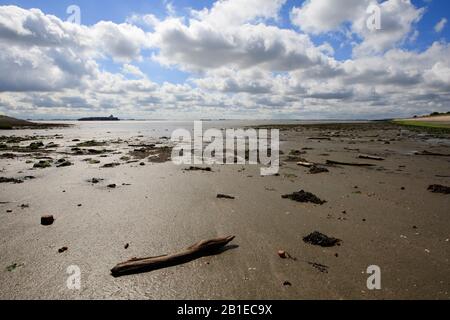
{"points": [[383, 214]]}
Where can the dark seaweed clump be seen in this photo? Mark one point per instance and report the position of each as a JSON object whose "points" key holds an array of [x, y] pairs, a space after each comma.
{"points": [[304, 196], [319, 239]]}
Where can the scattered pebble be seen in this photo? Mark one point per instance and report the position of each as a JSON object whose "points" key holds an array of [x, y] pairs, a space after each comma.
{"points": [[63, 249], [47, 220]]}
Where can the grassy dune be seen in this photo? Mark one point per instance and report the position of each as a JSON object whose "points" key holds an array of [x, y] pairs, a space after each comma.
{"points": [[435, 126]]}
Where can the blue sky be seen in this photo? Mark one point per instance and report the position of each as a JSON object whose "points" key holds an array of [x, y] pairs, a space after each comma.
{"points": [[307, 81]]}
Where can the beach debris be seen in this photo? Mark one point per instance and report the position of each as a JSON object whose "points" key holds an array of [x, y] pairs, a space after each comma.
{"points": [[111, 165], [14, 266], [191, 168], [63, 163], [153, 153], [42, 164], [285, 255], [317, 170], [63, 249], [24, 206], [10, 180], [142, 164], [47, 220], [437, 188], [36, 145], [8, 156], [9, 211], [333, 162], [93, 161], [319, 138], [319, 239], [126, 246], [306, 164], [304, 196], [198, 250], [95, 180], [296, 152], [320, 267], [112, 185], [429, 153], [224, 196], [287, 284], [369, 157], [295, 156], [91, 143]]}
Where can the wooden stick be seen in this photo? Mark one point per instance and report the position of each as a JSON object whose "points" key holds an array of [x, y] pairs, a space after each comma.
{"points": [[200, 249], [369, 157], [350, 163], [306, 164], [428, 153]]}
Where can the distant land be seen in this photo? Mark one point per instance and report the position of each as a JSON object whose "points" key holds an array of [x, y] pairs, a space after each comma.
{"points": [[9, 123], [110, 118]]}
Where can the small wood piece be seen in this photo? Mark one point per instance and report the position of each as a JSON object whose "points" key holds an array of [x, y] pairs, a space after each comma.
{"points": [[305, 164], [369, 157], [331, 162]]}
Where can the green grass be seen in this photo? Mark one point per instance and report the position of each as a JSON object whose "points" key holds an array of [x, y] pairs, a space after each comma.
{"points": [[437, 127]]}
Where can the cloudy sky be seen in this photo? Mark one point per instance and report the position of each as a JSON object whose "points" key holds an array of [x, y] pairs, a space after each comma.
{"points": [[247, 59]]}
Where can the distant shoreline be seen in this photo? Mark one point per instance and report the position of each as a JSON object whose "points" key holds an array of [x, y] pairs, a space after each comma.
{"points": [[9, 123]]}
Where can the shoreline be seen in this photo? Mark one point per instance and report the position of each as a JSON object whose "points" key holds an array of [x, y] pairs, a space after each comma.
{"points": [[383, 215]]}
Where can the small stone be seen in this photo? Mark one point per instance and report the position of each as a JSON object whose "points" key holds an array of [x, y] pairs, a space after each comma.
{"points": [[282, 254], [63, 249], [112, 186], [287, 284], [127, 246], [47, 220]]}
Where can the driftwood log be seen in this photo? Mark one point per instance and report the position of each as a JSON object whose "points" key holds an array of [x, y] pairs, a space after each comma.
{"points": [[428, 153], [200, 249], [332, 162]]}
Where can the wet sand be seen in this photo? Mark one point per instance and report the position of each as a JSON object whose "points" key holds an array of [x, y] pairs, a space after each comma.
{"points": [[384, 215]]}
